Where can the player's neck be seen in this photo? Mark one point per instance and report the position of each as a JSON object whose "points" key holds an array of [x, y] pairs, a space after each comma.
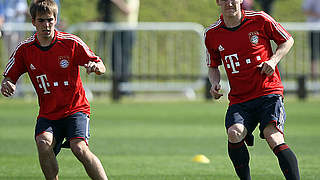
{"points": [[232, 21], [45, 41]]}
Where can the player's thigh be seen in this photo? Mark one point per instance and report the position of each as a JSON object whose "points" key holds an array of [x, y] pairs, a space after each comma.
{"points": [[78, 127], [239, 121], [79, 147], [45, 140], [272, 115], [44, 132], [273, 136], [47, 133]]}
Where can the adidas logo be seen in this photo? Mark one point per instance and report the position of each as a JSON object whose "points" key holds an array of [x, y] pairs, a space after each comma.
{"points": [[221, 48], [32, 67]]}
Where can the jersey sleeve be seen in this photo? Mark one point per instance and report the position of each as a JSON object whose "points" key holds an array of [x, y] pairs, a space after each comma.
{"points": [[16, 66], [213, 55], [84, 53], [274, 30]]}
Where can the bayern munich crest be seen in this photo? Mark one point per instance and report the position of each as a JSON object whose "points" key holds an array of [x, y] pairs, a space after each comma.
{"points": [[254, 38], [64, 63]]}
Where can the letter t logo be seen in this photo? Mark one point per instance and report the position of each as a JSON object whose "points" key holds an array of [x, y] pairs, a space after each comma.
{"points": [[232, 64], [43, 83]]}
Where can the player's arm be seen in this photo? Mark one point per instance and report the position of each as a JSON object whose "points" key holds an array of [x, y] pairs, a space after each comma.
{"points": [[268, 67], [214, 78], [96, 67], [8, 87], [122, 5]]}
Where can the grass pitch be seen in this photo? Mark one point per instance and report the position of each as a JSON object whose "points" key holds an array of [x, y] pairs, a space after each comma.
{"points": [[157, 141]]}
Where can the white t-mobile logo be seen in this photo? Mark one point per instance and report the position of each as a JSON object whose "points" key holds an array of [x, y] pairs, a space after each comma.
{"points": [[232, 64], [43, 83]]}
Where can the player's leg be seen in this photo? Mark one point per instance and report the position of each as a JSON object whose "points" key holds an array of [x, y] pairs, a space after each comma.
{"points": [[273, 133], [287, 159], [314, 69], [237, 150], [48, 138], [78, 136], [90, 162], [273, 136], [45, 142], [236, 133], [315, 53], [127, 38], [116, 54], [47, 158]]}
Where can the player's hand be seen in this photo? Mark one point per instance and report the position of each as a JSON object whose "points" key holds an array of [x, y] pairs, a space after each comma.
{"points": [[8, 88], [267, 67], [214, 91], [92, 67]]}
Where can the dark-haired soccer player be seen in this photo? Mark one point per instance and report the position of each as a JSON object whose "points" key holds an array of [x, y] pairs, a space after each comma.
{"points": [[240, 40], [52, 60]]}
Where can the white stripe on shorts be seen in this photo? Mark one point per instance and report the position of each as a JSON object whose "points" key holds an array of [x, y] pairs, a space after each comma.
{"points": [[87, 129], [282, 114]]}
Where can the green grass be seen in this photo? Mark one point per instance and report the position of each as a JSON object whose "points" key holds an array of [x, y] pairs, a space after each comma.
{"points": [[156, 141], [204, 12]]}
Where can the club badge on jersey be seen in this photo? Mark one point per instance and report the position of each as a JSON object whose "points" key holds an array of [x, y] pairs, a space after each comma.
{"points": [[254, 38], [64, 61]]}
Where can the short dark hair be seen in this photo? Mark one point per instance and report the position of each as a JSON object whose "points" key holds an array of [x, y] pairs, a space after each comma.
{"points": [[43, 7]]}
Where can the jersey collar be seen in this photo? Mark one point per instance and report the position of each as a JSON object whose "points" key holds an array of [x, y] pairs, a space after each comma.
{"points": [[46, 48], [243, 20]]}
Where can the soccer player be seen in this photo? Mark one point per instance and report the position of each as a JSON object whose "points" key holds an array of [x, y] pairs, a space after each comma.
{"points": [[240, 40], [52, 60], [311, 9]]}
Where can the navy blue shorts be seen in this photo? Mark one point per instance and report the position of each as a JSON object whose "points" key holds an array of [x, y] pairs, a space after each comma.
{"points": [[68, 128], [262, 110]]}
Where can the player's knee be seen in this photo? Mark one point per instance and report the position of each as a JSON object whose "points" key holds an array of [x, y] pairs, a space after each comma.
{"points": [[79, 148], [43, 144], [273, 136], [236, 134], [269, 131]]}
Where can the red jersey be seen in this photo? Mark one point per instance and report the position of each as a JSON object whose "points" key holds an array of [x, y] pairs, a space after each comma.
{"points": [[241, 49], [54, 72]]}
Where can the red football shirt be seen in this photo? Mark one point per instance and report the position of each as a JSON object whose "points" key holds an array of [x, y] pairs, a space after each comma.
{"points": [[54, 72], [241, 49]]}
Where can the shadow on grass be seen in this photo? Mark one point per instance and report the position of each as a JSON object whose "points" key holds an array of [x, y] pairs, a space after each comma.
{"points": [[171, 177], [39, 177]]}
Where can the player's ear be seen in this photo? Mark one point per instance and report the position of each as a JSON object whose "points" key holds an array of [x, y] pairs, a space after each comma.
{"points": [[33, 20], [55, 20]]}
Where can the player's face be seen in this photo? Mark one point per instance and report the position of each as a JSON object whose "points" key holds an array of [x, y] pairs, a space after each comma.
{"points": [[230, 7], [45, 25]]}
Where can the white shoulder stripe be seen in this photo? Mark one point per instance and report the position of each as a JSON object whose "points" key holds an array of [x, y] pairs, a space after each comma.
{"points": [[30, 39], [12, 59], [216, 24], [278, 27], [78, 40], [9, 66], [213, 25]]}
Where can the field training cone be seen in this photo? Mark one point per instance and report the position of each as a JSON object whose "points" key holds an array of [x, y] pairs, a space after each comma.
{"points": [[200, 158]]}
